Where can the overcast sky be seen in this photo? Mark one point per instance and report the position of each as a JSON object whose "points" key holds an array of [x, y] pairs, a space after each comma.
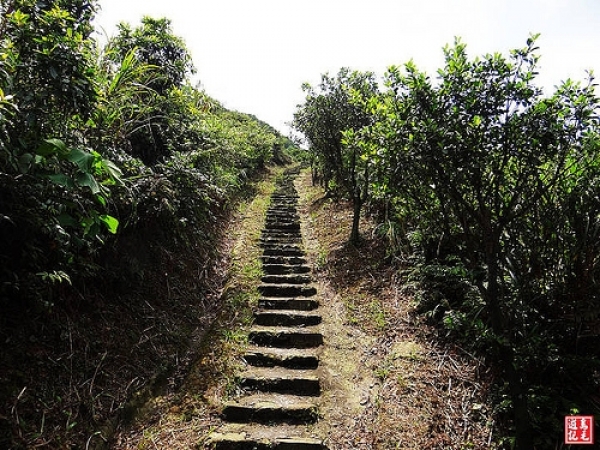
{"points": [[254, 55]]}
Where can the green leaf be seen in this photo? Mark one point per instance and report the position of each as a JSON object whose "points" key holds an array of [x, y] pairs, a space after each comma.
{"points": [[19, 18], [102, 200], [61, 179], [88, 180], [83, 159], [112, 224], [25, 161], [113, 171], [51, 147], [67, 220]]}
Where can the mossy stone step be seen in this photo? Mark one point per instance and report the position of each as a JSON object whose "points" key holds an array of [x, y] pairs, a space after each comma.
{"points": [[281, 239], [283, 203], [266, 433], [278, 380], [283, 269], [270, 233], [285, 220], [285, 337], [288, 212], [281, 218], [282, 213], [289, 260], [238, 441], [287, 290], [282, 357], [287, 193], [291, 303], [285, 226], [274, 241], [265, 408], [283, 209], [287, 278], [282, 250], [286, 318], [276, 232]]}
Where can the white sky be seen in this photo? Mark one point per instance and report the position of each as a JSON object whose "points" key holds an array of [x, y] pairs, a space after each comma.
{"points": [[254, 55]]}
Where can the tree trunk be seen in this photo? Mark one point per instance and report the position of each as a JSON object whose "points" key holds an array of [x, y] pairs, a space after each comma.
{"points": [[354, 234], [520, 402], [501, 328]]}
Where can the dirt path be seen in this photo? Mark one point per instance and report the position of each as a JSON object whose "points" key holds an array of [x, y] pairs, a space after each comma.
{"points": [[384, 379]]}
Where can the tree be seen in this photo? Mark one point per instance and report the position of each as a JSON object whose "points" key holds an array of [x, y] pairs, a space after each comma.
{"points": [[494, 154], [47, 47], [53, 190], [167, 64], [154, 43], [325, 116]]}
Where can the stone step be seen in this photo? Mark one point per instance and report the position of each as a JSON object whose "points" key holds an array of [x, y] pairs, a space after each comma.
{"points": [[287, 290], [276, 217], [282, 250], [239, 441], [282, 213], [283, 205], [279, 222], [282, 357], [283, 269], [291, 303], [284, 226], [286, 318], [285, 337], [281, 198], [287, 278], [281, 239], [285, 195], [284, 245], [279, 232], [279, 380], [265, 408], [289, 260], [281, 218], [276, 241]]}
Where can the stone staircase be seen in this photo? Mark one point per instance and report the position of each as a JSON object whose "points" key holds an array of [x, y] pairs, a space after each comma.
{"points": [[281, 384]]}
